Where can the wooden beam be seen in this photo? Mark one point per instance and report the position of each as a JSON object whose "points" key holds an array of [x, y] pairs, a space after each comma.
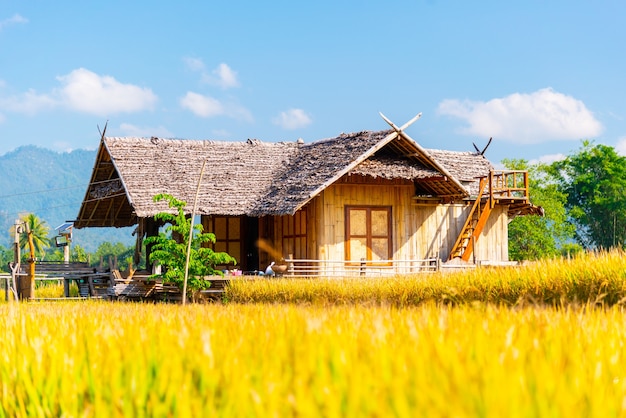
{"points": [[403, 127], [432, 179]]}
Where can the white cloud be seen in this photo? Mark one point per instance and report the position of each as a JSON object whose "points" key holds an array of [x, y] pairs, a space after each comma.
{"points": [[526, 118], [223, 76], [548, 158], [620, 147], [207, 107], [292, 119], [83, 91], [88, 92], [30, 102], [202, 106], [144, 131], [16, 18]]}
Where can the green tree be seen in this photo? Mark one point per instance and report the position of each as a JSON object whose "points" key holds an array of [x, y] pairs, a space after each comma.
{"points": [[118, 250], [40, 231], [594, 181], [172, 254], [535, 237], [6, 256], [78, 254]]}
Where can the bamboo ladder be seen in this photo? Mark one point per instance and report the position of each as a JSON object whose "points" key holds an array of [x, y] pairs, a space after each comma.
{"points": [[476, 220]]}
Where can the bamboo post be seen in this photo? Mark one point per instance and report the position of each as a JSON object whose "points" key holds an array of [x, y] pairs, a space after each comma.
{"points": [[15, 266], [193, 215], [291, 268]]}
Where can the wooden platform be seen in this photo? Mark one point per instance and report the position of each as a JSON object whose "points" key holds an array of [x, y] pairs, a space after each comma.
{"points": [[142, 287], [91, 282]]}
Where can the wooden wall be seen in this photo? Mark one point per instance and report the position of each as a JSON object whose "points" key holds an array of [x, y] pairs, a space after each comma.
{"points": [[493, 244], [419, 231]]}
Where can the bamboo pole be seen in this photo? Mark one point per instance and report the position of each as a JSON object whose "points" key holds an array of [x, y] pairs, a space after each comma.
{"points": [[15, 266], [193, 215]]}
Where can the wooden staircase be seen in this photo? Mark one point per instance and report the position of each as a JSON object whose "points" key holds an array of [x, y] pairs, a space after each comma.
{"points": [[500, 187], [474, 224]]}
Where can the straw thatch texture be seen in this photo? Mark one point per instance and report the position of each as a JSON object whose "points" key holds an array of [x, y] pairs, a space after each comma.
{"points": [[314, 165], [394, 168], [467, 167], [254, 178], [237, 174]]}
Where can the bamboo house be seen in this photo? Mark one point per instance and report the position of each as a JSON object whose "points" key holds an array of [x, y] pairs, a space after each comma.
{"points": [[360, 203]]}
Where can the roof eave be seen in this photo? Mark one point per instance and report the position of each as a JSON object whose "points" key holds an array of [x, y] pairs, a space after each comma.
{"points": [[462, 190]]}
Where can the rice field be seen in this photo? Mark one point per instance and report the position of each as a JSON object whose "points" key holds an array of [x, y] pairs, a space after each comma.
{"points": [[552, 345], [598, 279]]}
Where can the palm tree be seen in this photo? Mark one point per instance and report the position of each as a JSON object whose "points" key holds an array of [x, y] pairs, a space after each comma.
{"points": [[40, 231]]}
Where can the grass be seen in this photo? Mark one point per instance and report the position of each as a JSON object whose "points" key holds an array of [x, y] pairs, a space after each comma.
{"points": [[50, 289], [548, 339], [100, 359], [103, 359], [591, 278]]}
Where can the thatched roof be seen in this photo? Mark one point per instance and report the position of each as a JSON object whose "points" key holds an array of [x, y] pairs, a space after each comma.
{"points": [[257, 178], [467, 167]]}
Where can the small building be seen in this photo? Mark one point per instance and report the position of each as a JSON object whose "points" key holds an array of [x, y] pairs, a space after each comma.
{"points": [[365, 202]]}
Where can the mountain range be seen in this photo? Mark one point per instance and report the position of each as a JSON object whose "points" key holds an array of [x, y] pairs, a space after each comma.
{"points": [[51, 185]]}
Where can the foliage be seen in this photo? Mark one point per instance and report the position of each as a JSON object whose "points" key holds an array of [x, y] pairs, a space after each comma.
{"points": [[39, 230], [172, 254], [594, 180], [6, 256], [78, 254], [108, 251], [535, 237]]}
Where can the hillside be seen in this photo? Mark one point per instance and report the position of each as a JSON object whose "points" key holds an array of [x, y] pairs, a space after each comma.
{"points": [[52, 186]]}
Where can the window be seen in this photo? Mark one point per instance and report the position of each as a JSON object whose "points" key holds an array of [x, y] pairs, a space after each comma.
{"points": [[368, 233], [228, 235], [294, 235]]}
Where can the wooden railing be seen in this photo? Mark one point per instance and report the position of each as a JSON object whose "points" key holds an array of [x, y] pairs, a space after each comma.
{"points": [[508, 185], [365, 268], [503, 187]]}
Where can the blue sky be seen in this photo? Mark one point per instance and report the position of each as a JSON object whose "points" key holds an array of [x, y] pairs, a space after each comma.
{"points": [[537, 76]]}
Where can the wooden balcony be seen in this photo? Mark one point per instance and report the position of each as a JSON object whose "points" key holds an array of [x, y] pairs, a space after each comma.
{"points": [[500, 187]]}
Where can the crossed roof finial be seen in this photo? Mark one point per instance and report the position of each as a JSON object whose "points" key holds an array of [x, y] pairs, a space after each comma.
{"points": [[403, 127]]}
